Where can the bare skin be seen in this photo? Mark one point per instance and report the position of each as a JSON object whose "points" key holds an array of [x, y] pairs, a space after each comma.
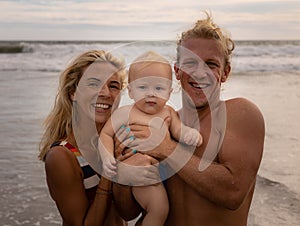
{"points": [[221, 194], [64, 178]]}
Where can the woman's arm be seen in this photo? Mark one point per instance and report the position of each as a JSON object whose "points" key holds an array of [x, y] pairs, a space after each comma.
{"points": [[65, 182]]}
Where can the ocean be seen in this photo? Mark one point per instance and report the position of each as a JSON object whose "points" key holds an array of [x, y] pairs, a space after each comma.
{"points": [[266, 72]]}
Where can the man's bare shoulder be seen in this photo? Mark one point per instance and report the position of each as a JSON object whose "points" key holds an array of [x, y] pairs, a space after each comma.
{"points": [[244, 115], [243, 107]]}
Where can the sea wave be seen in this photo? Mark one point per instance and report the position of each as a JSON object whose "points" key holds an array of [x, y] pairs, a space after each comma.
{"points": [[249, 56]]}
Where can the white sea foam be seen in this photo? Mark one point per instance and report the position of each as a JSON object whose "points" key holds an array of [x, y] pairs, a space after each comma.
{"points": [[28, 82]]}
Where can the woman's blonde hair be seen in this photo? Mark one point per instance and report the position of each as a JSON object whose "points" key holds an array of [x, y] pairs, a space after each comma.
{"points": [[58, 124], [207, 29]]}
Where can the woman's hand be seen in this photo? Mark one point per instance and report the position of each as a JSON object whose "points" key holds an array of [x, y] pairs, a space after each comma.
{"points": [[123, 139]]}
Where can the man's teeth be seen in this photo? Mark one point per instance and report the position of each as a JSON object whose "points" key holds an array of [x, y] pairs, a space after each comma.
{"points": [[104, 106], [200, 86]]}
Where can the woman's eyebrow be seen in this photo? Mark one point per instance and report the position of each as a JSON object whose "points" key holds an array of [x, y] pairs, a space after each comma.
{"points": [[92, 78]]}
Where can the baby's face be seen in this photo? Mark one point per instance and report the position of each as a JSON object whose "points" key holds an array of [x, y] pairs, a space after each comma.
{"points": [[150, 87]]}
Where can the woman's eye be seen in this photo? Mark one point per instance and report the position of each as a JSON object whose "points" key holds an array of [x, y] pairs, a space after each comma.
{"points": [[114, 87], [93, 84]]}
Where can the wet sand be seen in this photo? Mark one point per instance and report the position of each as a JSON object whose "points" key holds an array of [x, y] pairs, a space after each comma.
{"points": [[24, 196]]}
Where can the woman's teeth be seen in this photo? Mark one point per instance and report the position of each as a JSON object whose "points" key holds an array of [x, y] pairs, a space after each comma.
{"points": [[104, 106]]}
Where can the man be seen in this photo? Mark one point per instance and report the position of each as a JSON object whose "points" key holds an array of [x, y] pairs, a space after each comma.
{"points": [[215, 184]]}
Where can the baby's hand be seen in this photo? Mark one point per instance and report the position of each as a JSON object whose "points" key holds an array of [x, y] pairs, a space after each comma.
{"points": [[193, 137], [109, 168]]}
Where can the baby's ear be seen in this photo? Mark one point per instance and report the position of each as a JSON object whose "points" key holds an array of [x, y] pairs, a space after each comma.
{"points": [[129, 91]]}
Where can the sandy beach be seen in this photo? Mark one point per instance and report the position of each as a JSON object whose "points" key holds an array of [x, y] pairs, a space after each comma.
{"points": [[24, 196], [268, 74]]}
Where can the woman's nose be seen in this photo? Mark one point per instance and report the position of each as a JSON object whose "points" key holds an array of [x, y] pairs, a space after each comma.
{"points": [[104, 91]]}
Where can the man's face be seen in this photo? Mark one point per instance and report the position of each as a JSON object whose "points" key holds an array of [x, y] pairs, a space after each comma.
{"points": [[201, 69]]}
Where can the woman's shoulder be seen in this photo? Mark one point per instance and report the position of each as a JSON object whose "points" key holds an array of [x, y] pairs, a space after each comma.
{"points": [[60, 157]]}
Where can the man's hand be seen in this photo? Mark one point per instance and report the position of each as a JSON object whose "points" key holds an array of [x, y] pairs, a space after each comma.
{"points": [[138, 170]]}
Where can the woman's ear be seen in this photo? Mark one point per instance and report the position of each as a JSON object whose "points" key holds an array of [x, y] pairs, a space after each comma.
{"points": [[72, 96]]}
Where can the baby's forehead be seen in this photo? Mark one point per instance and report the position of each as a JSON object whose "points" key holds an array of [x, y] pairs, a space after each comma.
{"points": [[146, 69], [152, 80]]}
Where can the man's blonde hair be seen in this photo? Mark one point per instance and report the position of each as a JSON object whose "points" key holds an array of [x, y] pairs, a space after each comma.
{"points": [[207, 29]]}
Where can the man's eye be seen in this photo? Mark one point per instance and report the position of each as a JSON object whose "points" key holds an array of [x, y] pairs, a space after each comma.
{"points": [[212, 64], [189, 63]]}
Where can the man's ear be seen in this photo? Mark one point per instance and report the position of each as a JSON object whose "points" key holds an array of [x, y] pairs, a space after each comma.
{"points": [[226, 73], [129, 91], [177, 71]]}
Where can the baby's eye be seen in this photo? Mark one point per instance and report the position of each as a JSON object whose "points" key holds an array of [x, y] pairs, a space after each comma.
{"points": [[158, 88], [142, 87]]}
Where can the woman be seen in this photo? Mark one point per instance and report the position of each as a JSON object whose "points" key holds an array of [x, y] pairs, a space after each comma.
{"points": [[88, 92]]}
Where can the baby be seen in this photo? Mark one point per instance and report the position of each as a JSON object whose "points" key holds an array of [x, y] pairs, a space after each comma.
{"points": [[150, 86]]}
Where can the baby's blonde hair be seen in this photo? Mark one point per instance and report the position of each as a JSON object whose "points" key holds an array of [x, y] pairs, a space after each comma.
{"points": [[144, 60]]}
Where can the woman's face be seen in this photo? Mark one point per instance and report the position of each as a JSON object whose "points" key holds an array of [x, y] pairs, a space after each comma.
{"points": [[98, 91]]}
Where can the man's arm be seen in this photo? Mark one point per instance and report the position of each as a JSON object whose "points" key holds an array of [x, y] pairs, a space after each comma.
{"points": [[228, 181]]}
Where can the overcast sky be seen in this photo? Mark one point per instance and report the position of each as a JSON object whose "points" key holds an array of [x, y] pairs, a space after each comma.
{"points": [[144, 20]]}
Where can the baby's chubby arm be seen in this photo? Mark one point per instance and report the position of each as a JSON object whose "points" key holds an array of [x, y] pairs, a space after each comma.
{"points": [[183, 133], [106, 140]]}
